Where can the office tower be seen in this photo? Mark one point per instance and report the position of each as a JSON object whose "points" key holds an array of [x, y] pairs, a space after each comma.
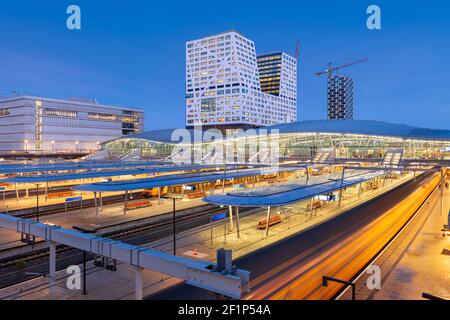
{"points": [[278, 75], [223, 88]]}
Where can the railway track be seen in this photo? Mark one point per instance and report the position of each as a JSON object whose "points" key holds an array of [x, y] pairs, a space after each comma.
{"points": [[18, 269], [270, 264]]}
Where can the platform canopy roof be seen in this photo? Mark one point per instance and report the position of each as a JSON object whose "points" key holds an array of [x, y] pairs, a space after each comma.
{"points": [[108, 173], [360, 127], [363, 127], [66, 166], [179, 179], [281, 195]]}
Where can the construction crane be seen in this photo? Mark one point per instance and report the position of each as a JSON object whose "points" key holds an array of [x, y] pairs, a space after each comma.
{"points": [[297, 50], [331, 69]]}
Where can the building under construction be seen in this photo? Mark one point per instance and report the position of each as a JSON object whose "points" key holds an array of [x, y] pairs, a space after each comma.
{"points": [[340, 97]]}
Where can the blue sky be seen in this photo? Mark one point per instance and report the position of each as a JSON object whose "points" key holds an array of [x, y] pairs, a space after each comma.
{"points": [[132, 53]]}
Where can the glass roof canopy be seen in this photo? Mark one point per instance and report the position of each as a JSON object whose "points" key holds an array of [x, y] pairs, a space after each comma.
{"points": [[291, 193]]}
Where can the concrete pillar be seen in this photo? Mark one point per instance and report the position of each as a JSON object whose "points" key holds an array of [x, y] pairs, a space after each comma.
{"points": [[95, 203], [237, 223], [101, 201], [27, 194], [159, 195], [442, 191], [52, 263], [230, 209], [17, 193], [138, 284], [311, 207], [46, 191], [126, 202], [267, 221]]}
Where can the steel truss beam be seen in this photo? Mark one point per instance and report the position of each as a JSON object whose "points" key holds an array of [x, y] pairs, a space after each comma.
{"points": [[196, 272]]}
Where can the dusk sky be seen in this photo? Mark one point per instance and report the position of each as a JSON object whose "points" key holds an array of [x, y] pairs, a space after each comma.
{"points": [[132, 53]]}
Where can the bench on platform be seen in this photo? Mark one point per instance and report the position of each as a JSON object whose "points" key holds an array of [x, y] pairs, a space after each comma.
{"points": [[272, 221], [60, 194], [196, 194], [315, 205], [138, 204]]}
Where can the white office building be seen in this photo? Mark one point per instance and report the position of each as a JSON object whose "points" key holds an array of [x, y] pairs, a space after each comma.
{"points": [[44, 125], [223, 85]]}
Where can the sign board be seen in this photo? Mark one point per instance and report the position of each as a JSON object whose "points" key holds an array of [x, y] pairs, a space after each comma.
{"points": [[190, 188], [218, 217], [325, 197], [73, 199]]}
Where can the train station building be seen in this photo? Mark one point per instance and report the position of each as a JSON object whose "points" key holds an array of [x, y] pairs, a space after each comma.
{"points": [[350, 139]]}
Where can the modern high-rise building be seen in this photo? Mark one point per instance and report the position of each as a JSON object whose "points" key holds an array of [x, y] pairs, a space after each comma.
{"points": [[43, 125], [278, 75], [340, 97], [223, 86]]}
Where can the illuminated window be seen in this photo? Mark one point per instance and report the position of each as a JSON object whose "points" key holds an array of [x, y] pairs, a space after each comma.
{"points": [[60, 113], [4, 112], [102, 116]]}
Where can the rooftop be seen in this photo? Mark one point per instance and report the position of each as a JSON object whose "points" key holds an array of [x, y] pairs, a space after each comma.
{"points": [[360, 127], [72, 100]]}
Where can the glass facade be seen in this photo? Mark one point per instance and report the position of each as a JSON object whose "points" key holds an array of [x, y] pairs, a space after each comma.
{"points": [[269, 67], [298, 145]]}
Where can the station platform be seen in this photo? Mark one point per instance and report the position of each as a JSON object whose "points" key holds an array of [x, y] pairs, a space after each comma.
{"points": [[423, 262], [199, 243], [11, 204], [87, 218]]}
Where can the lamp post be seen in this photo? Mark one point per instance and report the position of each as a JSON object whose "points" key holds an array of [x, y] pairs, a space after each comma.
{"points": [[26, 145], [173, 197], [37, 202], [76, 145], [53, 144]]}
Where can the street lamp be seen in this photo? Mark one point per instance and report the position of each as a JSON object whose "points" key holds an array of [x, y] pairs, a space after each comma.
{"points": [[173, 197], [37, 202], [53, 143], [76, 145], [26, 145]]}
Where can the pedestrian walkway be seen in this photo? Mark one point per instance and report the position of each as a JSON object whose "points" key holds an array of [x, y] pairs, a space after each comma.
{"points": [[423, 266]]}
